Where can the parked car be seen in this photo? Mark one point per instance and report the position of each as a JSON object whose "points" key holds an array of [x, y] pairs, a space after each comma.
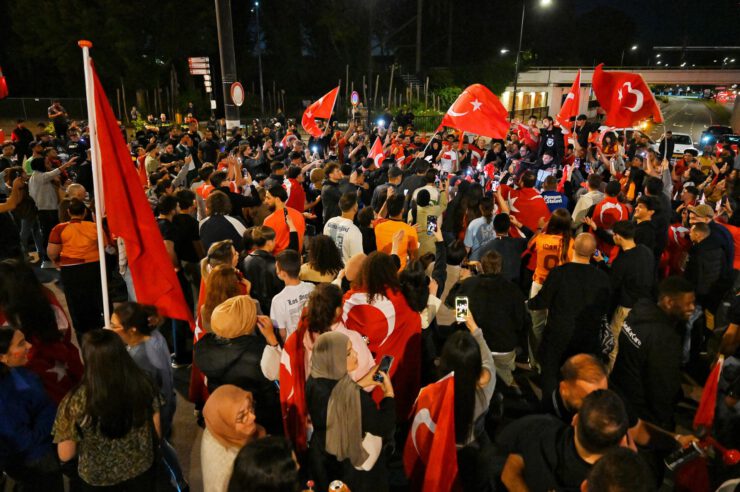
{"points": [[709, 136], [681, 143]]}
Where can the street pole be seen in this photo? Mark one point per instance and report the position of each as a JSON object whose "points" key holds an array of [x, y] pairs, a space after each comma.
{"points": [[419, 9], [259, 59], [228, 60], [516, 63], [621, 61]]}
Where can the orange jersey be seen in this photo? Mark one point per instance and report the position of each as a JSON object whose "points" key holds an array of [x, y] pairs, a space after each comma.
{"points": [[548, 248]]}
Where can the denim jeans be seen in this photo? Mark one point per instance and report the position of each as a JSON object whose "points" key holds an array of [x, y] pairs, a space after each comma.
{"points": [[32, 228]]}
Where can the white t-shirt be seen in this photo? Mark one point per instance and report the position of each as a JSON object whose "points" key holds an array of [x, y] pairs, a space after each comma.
{"points": [[346, 235], [448, 161], [287, 305]]}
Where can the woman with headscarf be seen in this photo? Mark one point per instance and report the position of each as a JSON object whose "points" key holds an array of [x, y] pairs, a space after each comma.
{"points": [[349, 428], [230, 425], [323, 313], [231, 354]]}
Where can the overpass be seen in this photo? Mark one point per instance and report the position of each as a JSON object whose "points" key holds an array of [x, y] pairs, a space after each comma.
{"points": [[542, 89]]}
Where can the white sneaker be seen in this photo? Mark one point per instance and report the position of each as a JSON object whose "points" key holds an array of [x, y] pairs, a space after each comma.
{"points": [[47, 265]]}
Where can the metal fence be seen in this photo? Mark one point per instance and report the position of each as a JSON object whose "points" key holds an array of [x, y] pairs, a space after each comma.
{"points": [[34, 108]]}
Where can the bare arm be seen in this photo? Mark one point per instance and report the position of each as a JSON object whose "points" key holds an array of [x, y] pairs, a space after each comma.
{"points": [[513, 474]]}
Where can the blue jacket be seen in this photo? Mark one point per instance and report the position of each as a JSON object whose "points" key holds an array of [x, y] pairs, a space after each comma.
{"points": [[26, 417]]}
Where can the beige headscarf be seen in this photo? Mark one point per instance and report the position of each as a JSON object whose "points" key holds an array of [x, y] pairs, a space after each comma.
{"points": [[234, 317], [344, 414], [221, 413]]}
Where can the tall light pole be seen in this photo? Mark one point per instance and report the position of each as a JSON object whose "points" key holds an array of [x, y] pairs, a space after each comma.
{"points": [[419, 12], [543, 3], [228, 60], [259, 59]]}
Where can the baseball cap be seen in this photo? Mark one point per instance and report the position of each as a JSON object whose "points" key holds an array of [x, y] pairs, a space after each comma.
{"points": [[704, 211]]}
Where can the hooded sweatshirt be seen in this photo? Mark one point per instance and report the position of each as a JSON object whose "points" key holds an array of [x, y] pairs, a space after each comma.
{"points": [[647, 373]]}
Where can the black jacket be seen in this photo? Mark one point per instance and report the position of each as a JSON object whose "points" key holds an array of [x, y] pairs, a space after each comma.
{"points": [[378, 420], [259, 268], [237, 361], [647, 373], [706, 269], [330, 195], [552, 140], [498, 307], [632, 276]]}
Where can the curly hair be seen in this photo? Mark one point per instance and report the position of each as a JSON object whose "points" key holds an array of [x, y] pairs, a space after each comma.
{"points": [[324, 256]]}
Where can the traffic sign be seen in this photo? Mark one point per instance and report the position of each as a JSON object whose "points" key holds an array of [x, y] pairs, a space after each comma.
{"points": [[198, 59], [237, 93], [355, 98], [199, 71]]}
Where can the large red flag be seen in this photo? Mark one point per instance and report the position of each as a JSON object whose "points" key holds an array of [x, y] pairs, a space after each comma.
{"points": [[293, 388], [477, 110], [526, 204], [705, 413], [130, 217], [376, 152], [392, 328], [570, 105], [3, 85], [430, 455], [625, 97], [321, 108]]}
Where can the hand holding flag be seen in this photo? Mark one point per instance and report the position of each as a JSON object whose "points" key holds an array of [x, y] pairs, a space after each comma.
{"points": [[321, 108]]}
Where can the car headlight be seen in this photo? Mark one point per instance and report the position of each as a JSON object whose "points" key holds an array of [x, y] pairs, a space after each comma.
{"points": [[705, 138]]}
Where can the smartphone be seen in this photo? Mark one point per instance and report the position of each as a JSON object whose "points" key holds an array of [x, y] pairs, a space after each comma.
{"points": [[494, 186], [385, 366], [431, 225], [461, 308]]}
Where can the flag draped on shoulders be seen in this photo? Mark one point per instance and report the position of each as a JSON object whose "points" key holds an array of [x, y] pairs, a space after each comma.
{"points": [[391, 328], [430, 454], [293, 388], [526, 204]]}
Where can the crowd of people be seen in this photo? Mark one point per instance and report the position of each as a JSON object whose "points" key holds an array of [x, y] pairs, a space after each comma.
{"points": [[570, 282]]}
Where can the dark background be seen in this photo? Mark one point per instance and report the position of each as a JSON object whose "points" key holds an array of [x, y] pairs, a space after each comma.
{"points": [[307, 43]]}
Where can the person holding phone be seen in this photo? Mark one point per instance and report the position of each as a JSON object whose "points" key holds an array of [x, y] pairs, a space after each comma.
{"points": [[349, 428]]}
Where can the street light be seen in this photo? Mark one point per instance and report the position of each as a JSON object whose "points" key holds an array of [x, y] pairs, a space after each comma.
{"points": [[503, 51], [632, 48], [543, 3]]}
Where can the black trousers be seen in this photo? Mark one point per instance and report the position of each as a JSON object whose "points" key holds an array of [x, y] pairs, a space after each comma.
{"points": [[83, 291], [47, 220]]}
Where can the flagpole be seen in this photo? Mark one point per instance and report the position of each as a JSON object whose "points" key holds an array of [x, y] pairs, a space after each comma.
{"points": [[94, 156]]}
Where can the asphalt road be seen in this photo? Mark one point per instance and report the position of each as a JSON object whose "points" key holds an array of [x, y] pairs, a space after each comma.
{"points": [[686, 116]]}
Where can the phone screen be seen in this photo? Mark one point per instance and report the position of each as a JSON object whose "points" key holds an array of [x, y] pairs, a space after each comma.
{"points": [[461, 308], [384, 366], [431, 225]]}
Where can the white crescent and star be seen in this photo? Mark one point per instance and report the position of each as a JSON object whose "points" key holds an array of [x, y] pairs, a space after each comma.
{"points": [[476, 107], [60, 369], [381, 303], [638, 94], [423, 417]]}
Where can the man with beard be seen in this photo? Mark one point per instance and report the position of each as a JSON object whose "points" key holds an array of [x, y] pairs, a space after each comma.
{"points": [[278, 219]]}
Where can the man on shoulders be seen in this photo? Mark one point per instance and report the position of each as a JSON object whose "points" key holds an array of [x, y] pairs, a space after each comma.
{"points": [[277, 220]]}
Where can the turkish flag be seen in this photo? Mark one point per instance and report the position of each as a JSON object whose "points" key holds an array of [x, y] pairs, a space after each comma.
{"points": [[130, 217], [376, 152], [477, 110], [527, 135], [526, 204], [570, 106], [392, 328], [430, 454], [705, 413], [3, 85], [293, 388], [321, 108], [625, 97]]}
